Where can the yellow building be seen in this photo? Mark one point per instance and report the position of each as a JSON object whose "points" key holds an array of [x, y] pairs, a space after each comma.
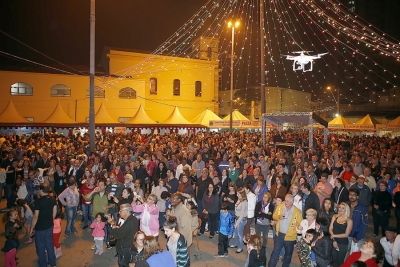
{"points": [[158, 83]]}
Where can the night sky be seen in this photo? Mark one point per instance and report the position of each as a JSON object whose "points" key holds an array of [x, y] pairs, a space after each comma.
{"points": [[60, 29]]}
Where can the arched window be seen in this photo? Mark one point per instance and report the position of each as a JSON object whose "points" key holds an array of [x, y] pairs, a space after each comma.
{"points": [[21, 89], [177, 87], [197, 88], [153, 86], [127, 93], [60, 90], [98, 92]]}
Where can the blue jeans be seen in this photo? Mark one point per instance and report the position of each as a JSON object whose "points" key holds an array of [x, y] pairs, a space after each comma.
{"points": [[87, 211], [238, 235], [282, 253], [161, 219], [107, 232], [279, 244], [71, 216], [43, 243]]}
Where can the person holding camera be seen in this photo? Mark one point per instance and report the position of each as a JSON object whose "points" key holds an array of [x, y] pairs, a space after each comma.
{"points": [[125, 233]]}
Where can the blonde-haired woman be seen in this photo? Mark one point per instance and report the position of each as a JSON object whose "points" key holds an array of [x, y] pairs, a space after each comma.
{"points": [[340, 229], [240, 219]]}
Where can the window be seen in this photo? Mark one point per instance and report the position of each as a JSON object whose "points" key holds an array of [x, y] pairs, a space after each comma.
{"points": [[197, 88], [153, 86], [98, 92], [60, 90], [177, 87], [21, 89], [124, 119], [127, 93]]}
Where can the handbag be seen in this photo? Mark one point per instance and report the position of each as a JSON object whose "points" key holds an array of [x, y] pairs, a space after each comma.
{"points": [[204, 216]]}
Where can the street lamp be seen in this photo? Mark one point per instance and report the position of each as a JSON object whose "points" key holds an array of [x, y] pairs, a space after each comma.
{"points": [[337, 100], [233, 26]]}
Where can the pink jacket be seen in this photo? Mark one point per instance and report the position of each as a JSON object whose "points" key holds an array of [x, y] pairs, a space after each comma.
{"points": [[98, 229], [153, 224]]}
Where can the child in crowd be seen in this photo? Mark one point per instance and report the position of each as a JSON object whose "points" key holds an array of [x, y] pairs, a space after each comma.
{"points": [[257, 257], [195, 215], [26, 216], [225, 229], [22, 190], [307, 256], [57, 232], [10, 247], [98, 232], [10, 218]]}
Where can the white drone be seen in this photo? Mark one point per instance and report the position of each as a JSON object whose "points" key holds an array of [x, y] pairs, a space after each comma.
{"points": [[301, 61]]}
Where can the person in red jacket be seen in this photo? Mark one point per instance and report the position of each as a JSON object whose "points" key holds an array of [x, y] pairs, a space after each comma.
{"points": [[371, 253]]}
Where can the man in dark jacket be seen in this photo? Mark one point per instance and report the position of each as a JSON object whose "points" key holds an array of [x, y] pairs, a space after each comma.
{"points": [[124, 235], [359, 215], [364, 196], [310, 199]]}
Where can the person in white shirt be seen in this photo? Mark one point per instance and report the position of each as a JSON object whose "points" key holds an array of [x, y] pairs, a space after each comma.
{"points": [[298, 202], [396, 251], [251, 205], [387, 243], [179, 168], [369, 180]]}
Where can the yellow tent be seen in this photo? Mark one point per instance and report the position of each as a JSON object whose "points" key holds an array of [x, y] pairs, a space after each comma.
{"points": [[236, 116], [58, 116], [338, 123], [394, 124], [205, 117], [102, 116], [176, 118], [366, 123], [11, 115], [140, 117]]}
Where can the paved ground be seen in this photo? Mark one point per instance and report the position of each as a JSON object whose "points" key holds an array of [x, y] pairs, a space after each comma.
{"points": [[77, 253]]}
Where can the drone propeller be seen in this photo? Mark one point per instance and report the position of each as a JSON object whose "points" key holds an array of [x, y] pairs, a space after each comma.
{"points": [[320, 55]]}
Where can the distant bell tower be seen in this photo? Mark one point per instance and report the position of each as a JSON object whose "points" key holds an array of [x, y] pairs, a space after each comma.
{"points": [[206, 48]]}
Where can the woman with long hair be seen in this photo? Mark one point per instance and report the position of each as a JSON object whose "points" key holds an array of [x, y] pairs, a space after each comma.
{"points": [[278, 189], [242, 180], [176, 243], [154, 256], [263, 215], [322, 247], [259, 189], [210, 203], [59, 180], [87, 206], [240, 219], [296, 176], [134, 254], [340, 228], [185, 187], [339, 193], [381, 204], [231, 198], [326, 210]]}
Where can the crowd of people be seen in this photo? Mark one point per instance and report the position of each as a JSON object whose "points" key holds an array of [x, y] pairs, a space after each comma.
{"points": [[133, 188]]}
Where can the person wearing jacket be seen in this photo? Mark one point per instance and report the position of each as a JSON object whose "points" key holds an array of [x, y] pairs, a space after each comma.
{"points": [[360, 220], [381, 203], [149, 223], [259, 189], [310, 199], [365, 194], [124, 234], [322, 247], [225, 229], [176, 243], [263, 215], [339, 194], [210, 204], [287, 218]]}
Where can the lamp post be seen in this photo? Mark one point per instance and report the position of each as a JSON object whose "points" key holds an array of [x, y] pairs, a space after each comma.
{"points": [[337, 100], [92, 73], [233, 26]]}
